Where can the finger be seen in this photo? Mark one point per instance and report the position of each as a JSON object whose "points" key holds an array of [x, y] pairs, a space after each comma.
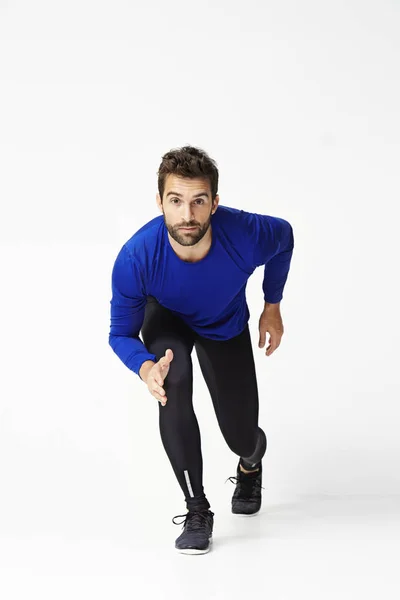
{"points": [[273, 346], [155, 381], [157, 388], [160, 376], [274, 339], [164, 362], [157, 395], [161, 399]]}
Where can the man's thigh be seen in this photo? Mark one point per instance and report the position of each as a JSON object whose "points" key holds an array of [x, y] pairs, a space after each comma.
{"points": [[229, 371], [161, 327]]}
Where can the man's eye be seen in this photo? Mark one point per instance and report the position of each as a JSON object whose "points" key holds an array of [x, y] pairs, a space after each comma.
{"points": [[198, 200]]}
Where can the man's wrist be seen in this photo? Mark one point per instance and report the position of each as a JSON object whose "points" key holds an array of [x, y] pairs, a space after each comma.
{"points": [[145, 368], [271, 305]]}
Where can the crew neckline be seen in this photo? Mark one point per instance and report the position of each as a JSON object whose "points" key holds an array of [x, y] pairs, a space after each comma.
{"points": [[197, 262]]}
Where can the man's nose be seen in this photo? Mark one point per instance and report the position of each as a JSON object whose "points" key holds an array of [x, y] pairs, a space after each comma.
{"points": [[188, 214]]}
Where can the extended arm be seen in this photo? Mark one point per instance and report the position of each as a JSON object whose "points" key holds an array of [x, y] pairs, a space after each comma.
{"points": [[127, 312]]}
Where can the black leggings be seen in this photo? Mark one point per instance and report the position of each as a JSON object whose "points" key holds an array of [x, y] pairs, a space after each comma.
{"points": [[229, 372]]}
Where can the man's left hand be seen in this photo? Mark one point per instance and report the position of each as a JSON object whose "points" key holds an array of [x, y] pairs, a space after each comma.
{"points": [[271, 322]]}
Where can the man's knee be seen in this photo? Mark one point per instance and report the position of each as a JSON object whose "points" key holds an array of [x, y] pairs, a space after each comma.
{"points": [[180, 368], [259, 450], [246, 448]]}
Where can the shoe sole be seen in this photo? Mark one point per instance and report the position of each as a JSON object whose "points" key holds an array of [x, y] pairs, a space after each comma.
{"points": [[195, 550], [246, 514]]}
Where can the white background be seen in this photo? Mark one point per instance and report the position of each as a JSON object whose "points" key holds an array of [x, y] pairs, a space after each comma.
{"points": [[298, 104]]}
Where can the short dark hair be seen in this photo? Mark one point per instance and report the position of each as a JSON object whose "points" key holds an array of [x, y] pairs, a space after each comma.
{"points": [[188, 161]]}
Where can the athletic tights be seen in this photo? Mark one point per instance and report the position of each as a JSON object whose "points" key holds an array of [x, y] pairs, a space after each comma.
{"points": [[229, 372]]}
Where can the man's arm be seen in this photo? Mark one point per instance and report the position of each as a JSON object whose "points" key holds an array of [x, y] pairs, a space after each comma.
{"points": [[127, 310], [273, 247]]}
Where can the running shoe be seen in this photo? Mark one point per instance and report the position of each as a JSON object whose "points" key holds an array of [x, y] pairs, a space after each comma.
{"points": [[197, 532], [246, 499]]}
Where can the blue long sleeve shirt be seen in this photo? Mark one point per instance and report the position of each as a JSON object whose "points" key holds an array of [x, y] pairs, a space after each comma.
{"points": [[208, 295]]}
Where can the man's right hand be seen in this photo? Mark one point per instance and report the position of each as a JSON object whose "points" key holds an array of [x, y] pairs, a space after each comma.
{"points": [[157, 374]]}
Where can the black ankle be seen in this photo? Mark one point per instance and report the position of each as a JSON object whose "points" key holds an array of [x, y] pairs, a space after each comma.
{"points": [[249, 466], [198, 504]]}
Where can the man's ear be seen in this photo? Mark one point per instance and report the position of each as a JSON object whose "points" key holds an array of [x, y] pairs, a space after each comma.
{"points": [[215, 204], [158, 200]]}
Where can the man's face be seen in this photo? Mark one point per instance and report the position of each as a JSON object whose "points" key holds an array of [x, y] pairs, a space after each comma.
{"points": [[187, 203]]}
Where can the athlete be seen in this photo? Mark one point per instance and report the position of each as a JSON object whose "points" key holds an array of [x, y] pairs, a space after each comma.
{"points": [[180, 282]]}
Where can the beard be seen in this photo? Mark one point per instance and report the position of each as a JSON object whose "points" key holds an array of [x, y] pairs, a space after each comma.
{"points": [[188, 238]]}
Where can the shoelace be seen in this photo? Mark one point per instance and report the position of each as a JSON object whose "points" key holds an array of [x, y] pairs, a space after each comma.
{"points": [[195, 520], [247, 484]]}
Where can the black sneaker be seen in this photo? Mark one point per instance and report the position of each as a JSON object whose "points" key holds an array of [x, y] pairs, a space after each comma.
{"points": [[197, 535], [246, 499]]}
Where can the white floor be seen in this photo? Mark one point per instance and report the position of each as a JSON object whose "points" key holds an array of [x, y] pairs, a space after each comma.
{"points": [[314, 547]]}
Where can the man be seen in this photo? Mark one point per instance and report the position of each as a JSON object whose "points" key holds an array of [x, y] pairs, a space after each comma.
{"points": [[181, 280]]}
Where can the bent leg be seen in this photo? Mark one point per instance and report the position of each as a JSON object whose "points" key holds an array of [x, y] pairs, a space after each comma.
{"points": [[229, 372], [178, 424]]}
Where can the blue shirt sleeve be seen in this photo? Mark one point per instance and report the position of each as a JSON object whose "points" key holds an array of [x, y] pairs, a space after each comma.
{"points": [[273, 247], [127, 310]]}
